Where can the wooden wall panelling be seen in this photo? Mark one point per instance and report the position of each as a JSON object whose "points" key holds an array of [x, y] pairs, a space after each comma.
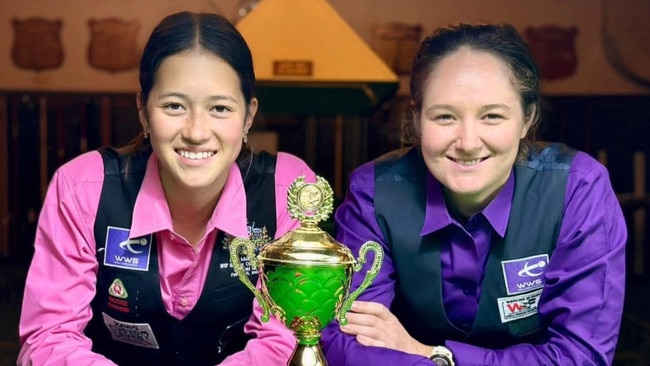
{"points": [[28, 184], [124, 119], [5, 249], [42, 145], [639, 213], [105, 120]]}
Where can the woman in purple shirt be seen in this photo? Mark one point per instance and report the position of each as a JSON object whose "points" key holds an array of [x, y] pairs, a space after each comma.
{"points": [[499, 250], [131, 262]]}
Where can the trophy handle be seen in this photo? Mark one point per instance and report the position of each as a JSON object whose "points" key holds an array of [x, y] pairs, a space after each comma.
{"points": [[370, 276], [247, 245]]}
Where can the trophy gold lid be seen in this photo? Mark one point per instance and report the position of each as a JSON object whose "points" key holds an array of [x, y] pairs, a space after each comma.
{"points": [[309, 203]]}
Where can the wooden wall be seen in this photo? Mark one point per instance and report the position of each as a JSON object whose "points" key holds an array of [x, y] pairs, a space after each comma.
{"points": [[49, 116], [594, 76]]}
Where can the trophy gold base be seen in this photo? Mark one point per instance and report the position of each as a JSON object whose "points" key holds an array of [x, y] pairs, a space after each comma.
{"points": [[307, 355]]}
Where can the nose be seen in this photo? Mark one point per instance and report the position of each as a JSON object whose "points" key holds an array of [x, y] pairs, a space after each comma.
{"points": [[196, 129], [468, 139]]}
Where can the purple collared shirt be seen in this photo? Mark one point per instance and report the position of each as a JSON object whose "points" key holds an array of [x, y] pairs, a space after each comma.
{"points": [[582, 298]]}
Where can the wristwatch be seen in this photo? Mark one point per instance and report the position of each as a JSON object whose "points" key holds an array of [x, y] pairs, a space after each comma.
{"points": [[442, 356]]}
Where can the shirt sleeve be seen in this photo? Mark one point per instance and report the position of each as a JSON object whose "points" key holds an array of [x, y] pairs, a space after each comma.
{"points": [[273, 343], [61, 279], [355, 225], [582, 299]]}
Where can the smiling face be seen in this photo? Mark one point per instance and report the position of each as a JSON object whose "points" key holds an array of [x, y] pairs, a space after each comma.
{"points": [[471, 124], [196, 116]]}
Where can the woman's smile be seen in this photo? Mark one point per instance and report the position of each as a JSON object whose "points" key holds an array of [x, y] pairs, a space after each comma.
{"points": [[195, 155]]}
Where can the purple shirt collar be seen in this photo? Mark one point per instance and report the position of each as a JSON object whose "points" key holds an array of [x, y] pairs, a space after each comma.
{"points": [[437, 216]]}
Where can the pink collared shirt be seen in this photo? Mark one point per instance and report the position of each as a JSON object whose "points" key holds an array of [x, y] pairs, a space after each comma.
{"points": [[61, 280]]}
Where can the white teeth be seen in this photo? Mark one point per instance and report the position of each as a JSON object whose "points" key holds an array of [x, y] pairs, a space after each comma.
{"points": [[195, 155], [468, 162]]}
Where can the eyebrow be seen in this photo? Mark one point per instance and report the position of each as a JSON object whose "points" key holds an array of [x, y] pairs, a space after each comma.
{"points": [[482, 109], [494, 106], [183, 96]]}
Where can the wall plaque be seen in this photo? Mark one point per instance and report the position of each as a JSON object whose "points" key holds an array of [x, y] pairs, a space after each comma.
{"points": [[554, 51], [37, 43], [113, 44]]}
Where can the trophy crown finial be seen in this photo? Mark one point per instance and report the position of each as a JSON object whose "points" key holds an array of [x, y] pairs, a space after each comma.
{"points": [[310, 203]]}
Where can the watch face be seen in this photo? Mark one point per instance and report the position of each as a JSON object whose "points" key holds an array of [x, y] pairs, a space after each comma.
{"points": [[440, 360]]}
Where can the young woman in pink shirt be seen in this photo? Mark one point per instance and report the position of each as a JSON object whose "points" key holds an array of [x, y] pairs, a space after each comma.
{"points": [[131, 262]]}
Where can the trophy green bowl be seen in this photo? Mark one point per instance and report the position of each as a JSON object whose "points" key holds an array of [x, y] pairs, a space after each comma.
{"points": [[305, 275]]}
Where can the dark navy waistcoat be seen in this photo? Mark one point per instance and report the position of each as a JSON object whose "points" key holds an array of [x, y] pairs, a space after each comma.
{"points": [[128, 304], [533, 229]]}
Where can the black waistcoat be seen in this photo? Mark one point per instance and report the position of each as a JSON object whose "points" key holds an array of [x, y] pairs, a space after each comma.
{"points": [[128, 300], [533, 228]]}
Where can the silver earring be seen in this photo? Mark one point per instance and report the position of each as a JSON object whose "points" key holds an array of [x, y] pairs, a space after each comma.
{"points": [[245, 137], [145, 134]]}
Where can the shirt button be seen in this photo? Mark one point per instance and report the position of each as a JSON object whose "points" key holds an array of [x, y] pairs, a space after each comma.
{"points": [[185, 301], [467, 291]]}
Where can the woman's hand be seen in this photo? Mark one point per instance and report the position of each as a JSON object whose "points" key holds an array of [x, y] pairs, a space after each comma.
{"points": [[374, 325]]}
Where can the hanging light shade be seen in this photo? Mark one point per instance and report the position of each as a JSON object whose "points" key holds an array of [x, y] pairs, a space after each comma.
{"points": [[309, 61]]}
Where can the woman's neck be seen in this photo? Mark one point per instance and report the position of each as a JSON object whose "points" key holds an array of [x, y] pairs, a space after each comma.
{"points": [[191, 211], [462, 207]]}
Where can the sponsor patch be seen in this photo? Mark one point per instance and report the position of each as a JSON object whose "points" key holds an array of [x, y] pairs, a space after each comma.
{"points": [[117, 289], [118, 299], [524, 274], [518, 307], [125, 252], [137, 334], [259, 236]]}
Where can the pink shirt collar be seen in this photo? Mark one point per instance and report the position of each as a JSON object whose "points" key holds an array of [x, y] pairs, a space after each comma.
{"points": [[151, 211]]}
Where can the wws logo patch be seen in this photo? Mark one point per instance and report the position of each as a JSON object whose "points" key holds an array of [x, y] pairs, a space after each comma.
{"points": [[524, 274], [125, 252]]}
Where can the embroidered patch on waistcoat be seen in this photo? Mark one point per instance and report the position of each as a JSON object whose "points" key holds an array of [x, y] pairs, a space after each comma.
{"points": [[524, 274], [259, 236], [117, 289], [125, 252], [518, 307], [137, 334], [118, 295]]}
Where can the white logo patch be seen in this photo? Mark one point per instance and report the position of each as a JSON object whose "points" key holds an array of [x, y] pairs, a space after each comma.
{"points": [[518, 307], [137, 334]]}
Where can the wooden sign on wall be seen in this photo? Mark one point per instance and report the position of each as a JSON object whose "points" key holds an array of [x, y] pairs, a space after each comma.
{"points": [[113, 45], [553, 48], [37, 43]]}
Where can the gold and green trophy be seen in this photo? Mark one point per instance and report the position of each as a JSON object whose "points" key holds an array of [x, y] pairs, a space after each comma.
{"points": [[305, 275]]}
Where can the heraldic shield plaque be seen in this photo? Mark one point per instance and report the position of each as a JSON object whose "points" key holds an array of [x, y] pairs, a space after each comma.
{"points": [[305, 274]]}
